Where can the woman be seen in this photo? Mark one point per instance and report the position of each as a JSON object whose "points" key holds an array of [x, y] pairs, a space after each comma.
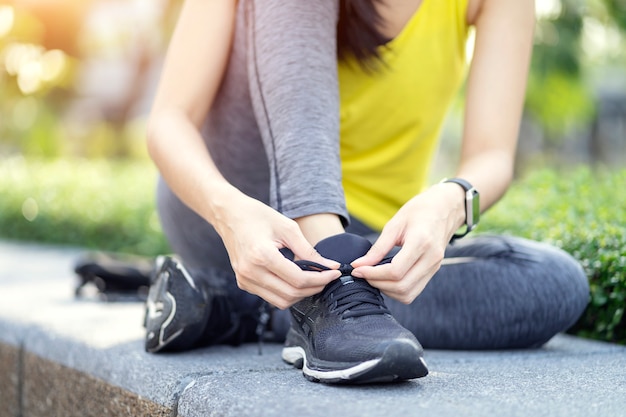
{"points": [[280, 126]]}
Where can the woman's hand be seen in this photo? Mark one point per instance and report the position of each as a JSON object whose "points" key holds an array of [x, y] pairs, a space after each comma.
{"points": [[253, 233], [423, 227]]}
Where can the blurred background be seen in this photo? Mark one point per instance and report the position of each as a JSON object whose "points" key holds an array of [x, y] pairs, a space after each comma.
{"points": [[77, 75], [77, 78]]}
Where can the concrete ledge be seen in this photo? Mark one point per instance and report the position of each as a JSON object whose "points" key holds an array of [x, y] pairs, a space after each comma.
{"points": [[10, 383], [63, 357]]}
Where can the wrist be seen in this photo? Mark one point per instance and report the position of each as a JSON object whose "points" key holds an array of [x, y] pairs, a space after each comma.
{"points": [[316, 227], [471, 202], [455, 197], [220, 200]]}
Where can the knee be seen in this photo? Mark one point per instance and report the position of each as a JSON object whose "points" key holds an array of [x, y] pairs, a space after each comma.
{"points": [[564, 286], [555, 282], [570, 278]]}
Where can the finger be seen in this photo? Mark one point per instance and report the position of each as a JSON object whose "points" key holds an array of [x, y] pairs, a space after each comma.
{"points": [[399, 266], [376, 273], [303, 250], [271, 296], [407, 258], [378, 251], [291, 273], [394, 271], [409, 288], [405, 297], [276, 291]]}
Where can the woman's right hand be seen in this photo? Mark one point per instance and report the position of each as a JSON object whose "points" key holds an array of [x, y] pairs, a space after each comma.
{"points": [[253, 234]]}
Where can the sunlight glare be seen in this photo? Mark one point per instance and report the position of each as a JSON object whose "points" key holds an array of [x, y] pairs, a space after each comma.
{"points": [[548, 9], [30, 209], [53, 64], [19, 54], [600, 40], [29, 77], [7, 18], [33, 65], [469, 45]]}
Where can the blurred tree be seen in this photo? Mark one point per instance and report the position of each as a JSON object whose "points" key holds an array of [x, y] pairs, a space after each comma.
{"points": [[44, 44], [555, 95], [560, 95], [34, 82], [617, 9], [73, 72]]}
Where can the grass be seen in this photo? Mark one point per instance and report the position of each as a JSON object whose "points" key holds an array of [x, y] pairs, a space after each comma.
{"points": [[98, 204]]}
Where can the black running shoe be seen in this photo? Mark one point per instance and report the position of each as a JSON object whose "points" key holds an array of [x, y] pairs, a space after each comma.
{"points": [[183, 313], [346, 334]]}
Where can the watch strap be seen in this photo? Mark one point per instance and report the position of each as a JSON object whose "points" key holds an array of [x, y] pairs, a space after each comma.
{"points": [[472, 205]]}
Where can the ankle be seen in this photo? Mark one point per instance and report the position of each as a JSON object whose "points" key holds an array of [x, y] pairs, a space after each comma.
{"points": [[317, 227]]}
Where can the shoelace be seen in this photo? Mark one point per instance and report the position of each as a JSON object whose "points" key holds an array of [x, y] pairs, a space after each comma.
{"points": [[349, 296]]}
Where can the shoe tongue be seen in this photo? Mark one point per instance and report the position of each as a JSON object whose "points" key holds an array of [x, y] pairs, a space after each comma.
{"points": [[343, 248]]}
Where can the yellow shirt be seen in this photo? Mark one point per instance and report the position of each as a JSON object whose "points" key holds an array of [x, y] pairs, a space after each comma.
{"points": [[391, 119]]}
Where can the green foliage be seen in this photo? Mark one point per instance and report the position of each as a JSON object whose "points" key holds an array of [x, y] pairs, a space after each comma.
{"points": [[557, 47], [583, 213], [559, 102], [556, 97], [617, 10], [560, 93], [97, 204]]}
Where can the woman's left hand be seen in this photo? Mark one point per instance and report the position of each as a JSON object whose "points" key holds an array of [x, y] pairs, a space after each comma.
{"points": [[422, 227]]}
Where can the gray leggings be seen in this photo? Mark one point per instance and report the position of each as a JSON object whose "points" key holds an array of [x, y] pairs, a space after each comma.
{"points": [[273, 133]]}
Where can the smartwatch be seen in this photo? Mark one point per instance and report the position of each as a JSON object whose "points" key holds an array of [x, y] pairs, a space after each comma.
{"points": [[472, 205]]}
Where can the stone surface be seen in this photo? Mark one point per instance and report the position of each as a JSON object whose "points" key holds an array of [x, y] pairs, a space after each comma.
{"points": [[62, 356], [569, 377], [51, 389], [10, 388]]}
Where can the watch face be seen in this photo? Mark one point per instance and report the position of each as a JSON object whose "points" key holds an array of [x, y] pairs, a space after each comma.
{"points": [[475, 209]]}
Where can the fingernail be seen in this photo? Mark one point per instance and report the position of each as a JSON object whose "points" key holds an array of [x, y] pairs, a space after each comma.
{"points": [[336, 274], [357, 273]]}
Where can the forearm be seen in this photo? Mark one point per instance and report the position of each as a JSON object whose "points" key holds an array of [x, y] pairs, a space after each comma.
{"points": [[190, 79], [490, 172], [495, 96], [183, 160]]}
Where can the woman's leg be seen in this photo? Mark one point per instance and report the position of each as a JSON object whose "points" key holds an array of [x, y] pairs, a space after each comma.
{"points": [[272, 131], [292, 66], [497, 292]]}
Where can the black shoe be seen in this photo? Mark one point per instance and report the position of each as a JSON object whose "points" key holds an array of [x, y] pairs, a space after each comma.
{"points": [[346, 334], [183, 313]]}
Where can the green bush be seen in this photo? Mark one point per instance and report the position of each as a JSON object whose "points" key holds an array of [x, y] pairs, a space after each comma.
{"points": [[99, 204], [109, 205], [584, 213]]}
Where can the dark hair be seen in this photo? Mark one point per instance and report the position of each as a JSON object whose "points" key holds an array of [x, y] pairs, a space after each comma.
{"points": [[358, 33]]}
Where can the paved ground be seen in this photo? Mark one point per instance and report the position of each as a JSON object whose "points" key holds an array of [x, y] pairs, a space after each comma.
{"points": [[40, 317]]}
